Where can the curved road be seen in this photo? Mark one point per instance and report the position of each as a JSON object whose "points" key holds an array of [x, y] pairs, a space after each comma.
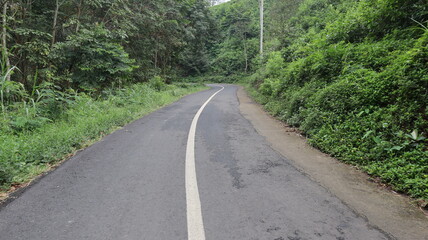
{"points": [[131, 185]]}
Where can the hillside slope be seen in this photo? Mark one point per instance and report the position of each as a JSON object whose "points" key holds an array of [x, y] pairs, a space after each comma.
{"points": [[352, 75]]}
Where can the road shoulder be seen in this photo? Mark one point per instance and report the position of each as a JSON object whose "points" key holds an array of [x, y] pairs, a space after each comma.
{"points": [[391, 212]]}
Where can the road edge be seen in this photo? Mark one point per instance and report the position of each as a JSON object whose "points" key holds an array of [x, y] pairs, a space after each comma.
{"points": [[20, 189], [391, 212]]}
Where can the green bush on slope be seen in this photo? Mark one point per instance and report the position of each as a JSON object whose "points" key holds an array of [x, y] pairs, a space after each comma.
{"points": [[357, 84]]}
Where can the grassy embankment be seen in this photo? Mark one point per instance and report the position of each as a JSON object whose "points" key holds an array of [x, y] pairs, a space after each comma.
{"points": [[31, 145], [353, 76]]}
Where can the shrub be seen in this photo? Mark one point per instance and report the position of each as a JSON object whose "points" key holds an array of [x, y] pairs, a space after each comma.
{"points": [[92, 59], [354, 78], [157, 83]]}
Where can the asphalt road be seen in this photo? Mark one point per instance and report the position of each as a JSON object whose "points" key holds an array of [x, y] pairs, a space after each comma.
{"points": [[131, 185]]}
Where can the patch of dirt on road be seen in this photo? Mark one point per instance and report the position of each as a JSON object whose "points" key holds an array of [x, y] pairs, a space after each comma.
{"points": [[393, 213]]}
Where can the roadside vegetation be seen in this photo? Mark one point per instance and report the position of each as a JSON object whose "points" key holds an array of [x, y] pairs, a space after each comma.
{"points": [[352, 75], [35, 135], [72, 71]]}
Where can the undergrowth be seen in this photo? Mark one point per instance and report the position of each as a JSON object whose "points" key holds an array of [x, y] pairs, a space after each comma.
{"points": [[357, 86], [36, 134]]}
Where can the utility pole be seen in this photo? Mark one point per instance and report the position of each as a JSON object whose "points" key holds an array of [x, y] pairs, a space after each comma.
{"points": [[261, 25]]}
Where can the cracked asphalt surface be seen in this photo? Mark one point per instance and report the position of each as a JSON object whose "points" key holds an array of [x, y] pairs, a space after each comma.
{"points": [[130, 185]]}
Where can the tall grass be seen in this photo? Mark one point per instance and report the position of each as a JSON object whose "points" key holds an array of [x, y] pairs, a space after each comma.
{"points": [[26, 151]]}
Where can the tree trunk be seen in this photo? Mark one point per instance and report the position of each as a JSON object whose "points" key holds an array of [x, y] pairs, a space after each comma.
{"points": [[54, 23], [79, 12], [4, 39]]}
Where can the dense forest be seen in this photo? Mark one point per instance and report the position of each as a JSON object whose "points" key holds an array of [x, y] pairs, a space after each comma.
{"points": [[351, 75], [91, 44], [72, 70]]}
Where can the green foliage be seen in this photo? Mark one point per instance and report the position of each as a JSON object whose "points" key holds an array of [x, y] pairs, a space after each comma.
{"points": [[157, 83], [237, 45], [375, 19], [11, 92], [95, 44], [199, 37], [92, 59], [353, 75], [64, 68], [34, 142]]}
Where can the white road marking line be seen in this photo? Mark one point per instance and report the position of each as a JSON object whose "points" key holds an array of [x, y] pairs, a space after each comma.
{"points": [[195, 224]]}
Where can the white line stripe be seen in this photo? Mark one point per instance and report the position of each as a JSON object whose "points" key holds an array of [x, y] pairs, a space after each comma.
{"points": [[195, 224]]}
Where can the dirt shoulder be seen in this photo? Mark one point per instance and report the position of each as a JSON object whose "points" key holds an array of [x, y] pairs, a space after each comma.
{"points": [[391, 212]]}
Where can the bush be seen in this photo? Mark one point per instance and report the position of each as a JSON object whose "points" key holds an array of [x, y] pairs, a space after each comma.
{"points": [[157, 83], [354, 78]]}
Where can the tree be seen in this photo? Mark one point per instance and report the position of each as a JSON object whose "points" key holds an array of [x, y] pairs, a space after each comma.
{"points": [[239, 27], [199, 38], [164, 37], [92, 59], [55, 19], [5, 53]]}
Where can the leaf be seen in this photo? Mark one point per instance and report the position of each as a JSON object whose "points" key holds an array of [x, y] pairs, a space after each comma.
{"points": [[367, 134], [377, 140], [397, 148], [414, 134]]}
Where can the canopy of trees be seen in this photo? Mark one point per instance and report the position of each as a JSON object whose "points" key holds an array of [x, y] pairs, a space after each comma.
{"points": [[237, 44], [70, 70], [91, 44]]}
